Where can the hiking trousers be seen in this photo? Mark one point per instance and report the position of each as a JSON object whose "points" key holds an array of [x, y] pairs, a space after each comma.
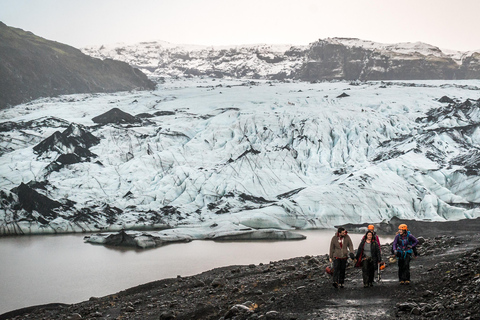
{"points": [[339, 267], [404, 268], [368, 271]]}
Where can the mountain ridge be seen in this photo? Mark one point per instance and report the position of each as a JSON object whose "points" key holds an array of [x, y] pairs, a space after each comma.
{"points": [[324, 59], [32, 67]]}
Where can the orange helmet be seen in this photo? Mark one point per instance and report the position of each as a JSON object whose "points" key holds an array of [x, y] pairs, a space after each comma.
{"points": [[402, 227], [371, 227]]}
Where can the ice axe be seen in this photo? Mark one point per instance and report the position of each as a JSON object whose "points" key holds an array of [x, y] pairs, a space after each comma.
{"points": [[380, 266]]}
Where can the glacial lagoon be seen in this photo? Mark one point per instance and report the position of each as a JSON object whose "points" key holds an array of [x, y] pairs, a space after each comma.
{"points": [[62, 268]]}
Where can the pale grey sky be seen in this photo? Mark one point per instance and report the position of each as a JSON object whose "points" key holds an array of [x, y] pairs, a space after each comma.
{"points": [[448, 24]]}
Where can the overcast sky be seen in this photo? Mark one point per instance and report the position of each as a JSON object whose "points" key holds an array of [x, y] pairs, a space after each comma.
{"points": [[448, 24]]}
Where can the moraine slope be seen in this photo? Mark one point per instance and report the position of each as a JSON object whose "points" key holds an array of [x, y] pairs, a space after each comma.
{"points": [[32, 67]]}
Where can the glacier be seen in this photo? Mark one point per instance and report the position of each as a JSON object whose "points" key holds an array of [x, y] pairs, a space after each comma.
{"points": [[241, 154]]}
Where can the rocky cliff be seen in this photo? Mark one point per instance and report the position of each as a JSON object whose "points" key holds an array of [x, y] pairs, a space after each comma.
{"points": [[33, 67], [329, 59]]}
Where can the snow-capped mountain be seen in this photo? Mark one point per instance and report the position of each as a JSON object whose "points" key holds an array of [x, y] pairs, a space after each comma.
{"points": [[327, 59], [242, 154], [160, 59]]}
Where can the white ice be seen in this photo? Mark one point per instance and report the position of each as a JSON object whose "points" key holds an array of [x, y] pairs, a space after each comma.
{"points": [[229, 140]]}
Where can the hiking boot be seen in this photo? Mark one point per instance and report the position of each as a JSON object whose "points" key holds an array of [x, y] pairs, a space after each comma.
{"points": [[335, 285], [407, 282], [402, 282], [365, 285], [370, 284], [342, 286]]}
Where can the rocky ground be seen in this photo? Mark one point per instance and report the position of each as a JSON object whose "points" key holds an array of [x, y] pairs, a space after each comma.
{"points": [[445, 284]]}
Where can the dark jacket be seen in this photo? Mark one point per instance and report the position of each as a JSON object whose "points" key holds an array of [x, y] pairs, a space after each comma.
{"points": [[376, 254]]}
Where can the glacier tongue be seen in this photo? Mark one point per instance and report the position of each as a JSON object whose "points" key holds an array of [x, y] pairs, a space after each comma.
{"points": [[262, 155]]}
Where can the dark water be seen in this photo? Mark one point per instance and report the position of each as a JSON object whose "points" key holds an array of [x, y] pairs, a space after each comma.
{"points": [[45, 269]]}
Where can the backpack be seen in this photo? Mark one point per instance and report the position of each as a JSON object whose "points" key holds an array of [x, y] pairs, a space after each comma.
{"points": [[403, 244]]}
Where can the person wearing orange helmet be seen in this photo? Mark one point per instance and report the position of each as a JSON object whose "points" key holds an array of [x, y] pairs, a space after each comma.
{"points": [[403, 245], [371, 228], [368, 257]]}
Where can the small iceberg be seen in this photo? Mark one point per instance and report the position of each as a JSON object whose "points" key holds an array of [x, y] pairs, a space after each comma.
{"points": [[217, 232]]}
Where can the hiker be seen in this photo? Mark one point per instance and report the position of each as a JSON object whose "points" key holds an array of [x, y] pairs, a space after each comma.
{"points": [[368, 257], [371, 227], [414, 249], [403, 245], [340, 246]]}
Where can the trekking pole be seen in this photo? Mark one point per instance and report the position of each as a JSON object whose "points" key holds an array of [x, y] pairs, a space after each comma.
{"points": [[378, 271]]}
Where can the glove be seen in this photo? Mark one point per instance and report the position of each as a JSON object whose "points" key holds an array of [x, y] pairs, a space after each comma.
{"points": [[352, 256]]}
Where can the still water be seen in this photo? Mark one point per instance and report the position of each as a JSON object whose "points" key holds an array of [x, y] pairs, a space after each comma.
{"points": [[62, 268]]}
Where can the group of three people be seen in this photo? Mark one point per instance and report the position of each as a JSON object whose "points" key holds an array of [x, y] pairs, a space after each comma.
{"points": [[368, 255]]}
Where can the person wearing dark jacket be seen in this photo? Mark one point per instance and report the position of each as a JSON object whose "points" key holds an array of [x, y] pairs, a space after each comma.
{"points": [[340, 246], [371, 227], [403, 246], [368, 257]]}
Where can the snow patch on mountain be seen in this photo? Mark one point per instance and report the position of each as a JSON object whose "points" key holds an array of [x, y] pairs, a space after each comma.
{"points": [[163, 59], [345, 58]]}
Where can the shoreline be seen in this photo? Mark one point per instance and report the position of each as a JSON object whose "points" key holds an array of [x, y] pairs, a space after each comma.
{"points": [[382, 228], [275, 281]]}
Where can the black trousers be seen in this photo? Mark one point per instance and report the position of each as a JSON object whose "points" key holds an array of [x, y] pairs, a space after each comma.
{"points": [[368, 271], [339, 267], [404, 268]]}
